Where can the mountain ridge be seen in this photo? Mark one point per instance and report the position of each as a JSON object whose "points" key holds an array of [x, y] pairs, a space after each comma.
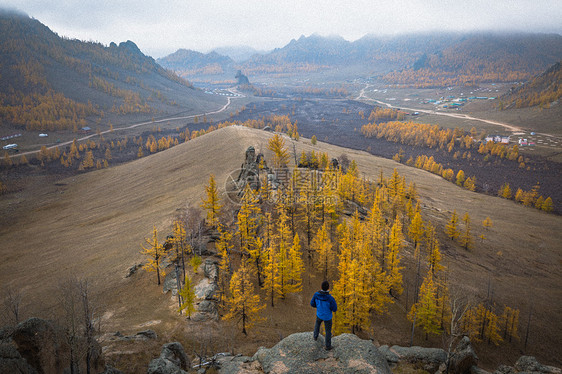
{"points": [[49, 82]]}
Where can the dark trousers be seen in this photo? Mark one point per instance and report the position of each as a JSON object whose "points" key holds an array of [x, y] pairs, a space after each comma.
{"points": [[327, 326]]}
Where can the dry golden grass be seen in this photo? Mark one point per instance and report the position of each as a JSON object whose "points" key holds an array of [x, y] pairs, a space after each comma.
{"points": [[92, 225]]}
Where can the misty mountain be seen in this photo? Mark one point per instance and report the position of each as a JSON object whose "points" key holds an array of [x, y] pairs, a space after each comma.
{"points": [[491, 56], [240, 53], [49, 82], [186, 62]]}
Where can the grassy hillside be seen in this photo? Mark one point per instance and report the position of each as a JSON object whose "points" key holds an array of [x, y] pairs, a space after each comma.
{"points": [[52, 83], [92, 225]]}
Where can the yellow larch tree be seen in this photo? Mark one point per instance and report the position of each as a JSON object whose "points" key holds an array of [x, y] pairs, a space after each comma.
{"points": [[393, 268], [452, 227], [270, 273], [225, 267], [243, 304], [296, 266], [187, 295], [179, 242], [212, 203], [487, 223], [325, 255], [510, 322], [280, 154], [466, 236], [155, 254], [282, 242], [433, 253], [424, 313], [416, 229], [248, 220]]}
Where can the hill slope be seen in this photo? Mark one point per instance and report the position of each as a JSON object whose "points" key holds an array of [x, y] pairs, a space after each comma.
{"points": [[541, 90], [93, 224], [52, 83]]}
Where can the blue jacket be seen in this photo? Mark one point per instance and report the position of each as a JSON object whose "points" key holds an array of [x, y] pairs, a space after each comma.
{"points": [[325, 304]]}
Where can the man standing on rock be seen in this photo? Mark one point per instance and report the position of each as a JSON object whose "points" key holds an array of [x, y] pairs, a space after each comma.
{"points": [[325, 304]]}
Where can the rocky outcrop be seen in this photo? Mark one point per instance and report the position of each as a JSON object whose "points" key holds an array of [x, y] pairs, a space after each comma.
{"points": [[40, 346], [299, 353], [463, 358], [428, 359], [172, 360], [11, 360]]}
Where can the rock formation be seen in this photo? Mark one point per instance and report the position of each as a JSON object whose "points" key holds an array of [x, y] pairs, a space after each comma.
{"points": [[242, 79], [40, 346], [299, 353]]}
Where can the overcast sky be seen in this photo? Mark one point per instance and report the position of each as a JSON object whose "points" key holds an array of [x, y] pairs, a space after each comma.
{"points": [[160, 27]]}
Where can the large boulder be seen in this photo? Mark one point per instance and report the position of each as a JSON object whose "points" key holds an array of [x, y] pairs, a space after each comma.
{"points": [[170, 283], [206, 289], [463, 358], [172, 360], [11, 360], [206, 310], [428, 359], [211, 270], [299, 353], [45, 347]]}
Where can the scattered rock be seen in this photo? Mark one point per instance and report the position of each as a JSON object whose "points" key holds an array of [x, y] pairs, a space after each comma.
{"points": [[205, 289], [111, 370], [133, 269], [428, 359], [530, 364], [174, 352], [172, 360], [504, 369], [300, 353], [477, 370], [146, 335]]}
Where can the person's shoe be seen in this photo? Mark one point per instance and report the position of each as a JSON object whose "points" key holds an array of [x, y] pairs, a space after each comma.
{"points": [[329, 348], [315, 338]]}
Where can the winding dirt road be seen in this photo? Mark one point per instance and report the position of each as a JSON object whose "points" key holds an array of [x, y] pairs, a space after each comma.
{"points": [[454, 115], [222, 109]]}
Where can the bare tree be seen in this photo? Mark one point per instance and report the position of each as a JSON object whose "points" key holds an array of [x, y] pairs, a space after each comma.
{"points": [[459, 303], [77, 319], [12, 304]]}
